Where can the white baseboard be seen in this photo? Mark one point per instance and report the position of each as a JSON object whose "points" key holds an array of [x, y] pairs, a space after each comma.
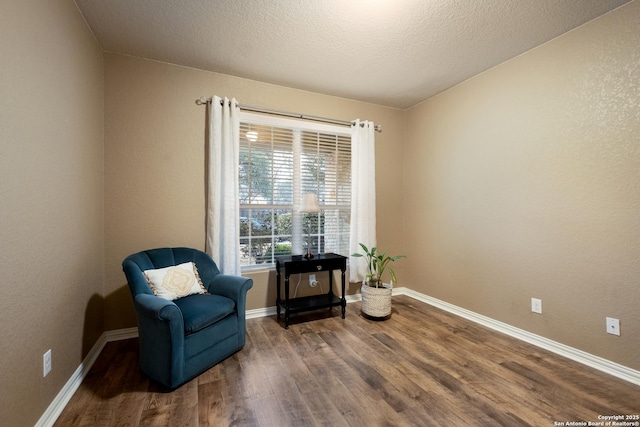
{"points": [[271, 311], [55, 409], [260, 312], [57, 406], [121, 334], [620, 371], [596, 362]]}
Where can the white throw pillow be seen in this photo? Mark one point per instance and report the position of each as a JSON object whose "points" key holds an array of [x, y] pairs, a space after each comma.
{"points": [[176, 281]]}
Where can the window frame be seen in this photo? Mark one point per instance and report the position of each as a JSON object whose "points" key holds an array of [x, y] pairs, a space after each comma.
{"points": [[274, 121]]}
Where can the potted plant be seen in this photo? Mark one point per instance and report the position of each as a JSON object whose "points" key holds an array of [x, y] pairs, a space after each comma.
{"points": [[376, 295]]}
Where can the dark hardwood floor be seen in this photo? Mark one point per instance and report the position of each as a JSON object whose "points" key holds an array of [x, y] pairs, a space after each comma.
{"points": [[422, 367]]}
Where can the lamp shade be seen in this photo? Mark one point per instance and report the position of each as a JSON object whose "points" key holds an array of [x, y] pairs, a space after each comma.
{"points": [[310, 203]]}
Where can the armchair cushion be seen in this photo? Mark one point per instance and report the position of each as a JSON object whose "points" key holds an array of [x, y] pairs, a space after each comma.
{"points": [[175, 281], [200, 311]]}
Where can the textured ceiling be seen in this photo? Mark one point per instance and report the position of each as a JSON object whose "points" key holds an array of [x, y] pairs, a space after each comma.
{"points": [[389, 52]]}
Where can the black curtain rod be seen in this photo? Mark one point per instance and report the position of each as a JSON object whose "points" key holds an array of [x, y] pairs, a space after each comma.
{"points": [[203, 101]]}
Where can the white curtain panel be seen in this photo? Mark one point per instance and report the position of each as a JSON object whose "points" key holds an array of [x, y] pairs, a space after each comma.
{"points": [[363, 195], [223, 209]]}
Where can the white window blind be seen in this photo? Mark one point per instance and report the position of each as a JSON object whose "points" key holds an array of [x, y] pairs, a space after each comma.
{"points": [[280, 160]]}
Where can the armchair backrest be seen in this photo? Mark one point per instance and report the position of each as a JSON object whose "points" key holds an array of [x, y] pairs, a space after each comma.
{"points": [[135, 264]]}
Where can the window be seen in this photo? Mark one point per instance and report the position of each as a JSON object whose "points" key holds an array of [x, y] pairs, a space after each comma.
{"points": [[280, 160]]}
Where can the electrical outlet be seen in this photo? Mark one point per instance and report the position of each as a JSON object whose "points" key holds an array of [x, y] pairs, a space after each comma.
{"points": [[536, 305], [46, 363], [312, 280], [613, 326]]}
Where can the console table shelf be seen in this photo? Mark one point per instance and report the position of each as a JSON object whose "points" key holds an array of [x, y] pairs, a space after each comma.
{"points": [[297, 264], [297, 305]]}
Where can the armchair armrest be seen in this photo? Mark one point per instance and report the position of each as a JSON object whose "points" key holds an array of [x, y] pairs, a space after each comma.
{"points": [[157, 308], [161, 335], [233, 287]]}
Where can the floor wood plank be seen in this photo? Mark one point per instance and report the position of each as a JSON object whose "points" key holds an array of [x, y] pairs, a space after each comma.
{"points": [[422, 367]]}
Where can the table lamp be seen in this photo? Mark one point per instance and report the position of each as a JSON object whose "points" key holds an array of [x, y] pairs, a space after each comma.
{"points": [[309, 205]]}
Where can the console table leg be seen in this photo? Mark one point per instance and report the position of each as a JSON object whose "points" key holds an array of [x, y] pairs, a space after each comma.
{"points": [[278, 293], [343, 283]]}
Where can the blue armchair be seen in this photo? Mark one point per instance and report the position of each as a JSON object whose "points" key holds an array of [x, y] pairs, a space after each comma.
{"points": [[180, 339]]}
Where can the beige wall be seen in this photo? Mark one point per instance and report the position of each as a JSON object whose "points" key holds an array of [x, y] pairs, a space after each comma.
{"points": [[154, 163], [51, 195], [525, 182]]}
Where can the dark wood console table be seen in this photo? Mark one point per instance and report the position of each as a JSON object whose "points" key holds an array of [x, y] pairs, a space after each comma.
{"points": [[296, 264]]}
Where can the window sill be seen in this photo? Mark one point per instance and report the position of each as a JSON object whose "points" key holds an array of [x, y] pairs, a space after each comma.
{"points": [[263, 268]]}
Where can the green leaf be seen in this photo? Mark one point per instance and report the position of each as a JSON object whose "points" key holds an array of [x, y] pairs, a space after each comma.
{"points": [[393, 275]]}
